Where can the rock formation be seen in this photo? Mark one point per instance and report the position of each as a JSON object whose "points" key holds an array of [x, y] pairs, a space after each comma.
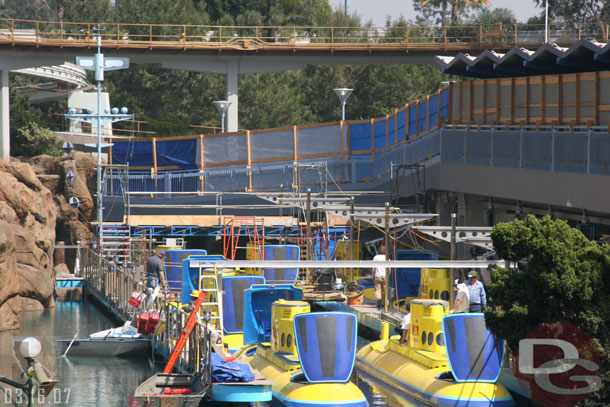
{"points": [[34, 213]]}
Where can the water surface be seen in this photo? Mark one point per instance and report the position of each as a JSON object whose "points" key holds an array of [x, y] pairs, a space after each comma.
{"points": [[83, 382]]}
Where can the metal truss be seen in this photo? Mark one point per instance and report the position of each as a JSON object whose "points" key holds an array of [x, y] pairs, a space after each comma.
{"points": [[376, 216], [476, 235]]}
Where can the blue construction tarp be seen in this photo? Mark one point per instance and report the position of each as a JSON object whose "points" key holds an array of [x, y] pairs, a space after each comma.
{"points": [[402, 118], [360, 136], [380, 134], [444, 113], [392, 130], [423, 114], [433, 111], [170, 153], [412, 120]]}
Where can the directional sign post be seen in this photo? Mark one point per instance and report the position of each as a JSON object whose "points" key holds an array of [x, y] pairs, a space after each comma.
{"points": [[99, 64]]}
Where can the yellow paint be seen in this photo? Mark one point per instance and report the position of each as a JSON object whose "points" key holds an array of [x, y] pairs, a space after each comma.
{"points": [[279, 363], [435, 282], [421, 359], [419, 368], [233, 341], [282, 319], [385, 331]]}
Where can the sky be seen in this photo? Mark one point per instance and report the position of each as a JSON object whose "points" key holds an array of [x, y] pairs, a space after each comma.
{"points": [[377, 10]]}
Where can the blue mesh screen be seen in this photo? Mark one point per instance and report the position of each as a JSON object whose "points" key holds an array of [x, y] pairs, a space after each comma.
{"points": [[412, 120], [402, 118], [380, 134], [433, 111], [360, 136], [423, 110], [444, 113], [392, 130]]}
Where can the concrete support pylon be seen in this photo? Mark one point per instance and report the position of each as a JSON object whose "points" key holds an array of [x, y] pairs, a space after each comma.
{"points": [[5, 127], [231, 82]]}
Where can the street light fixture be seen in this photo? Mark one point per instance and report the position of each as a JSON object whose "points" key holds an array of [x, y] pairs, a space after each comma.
{"points": [[343, 94], [99, 64], [70, 176], [546, 21], [222, 106], [67, 147], [30, 348]]}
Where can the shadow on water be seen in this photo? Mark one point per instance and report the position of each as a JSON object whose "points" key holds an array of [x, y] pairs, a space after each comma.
{"points": [[83, 382]]}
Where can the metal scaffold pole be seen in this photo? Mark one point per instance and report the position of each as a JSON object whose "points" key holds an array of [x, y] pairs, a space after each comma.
{"points": [[387, 255], [98, 64]]}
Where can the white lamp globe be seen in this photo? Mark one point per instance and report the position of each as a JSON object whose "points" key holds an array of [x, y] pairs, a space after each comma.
{"points": [[30, 347]]}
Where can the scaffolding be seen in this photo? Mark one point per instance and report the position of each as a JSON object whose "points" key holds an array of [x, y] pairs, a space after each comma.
{"points": [[237, 226], [310, 175]]}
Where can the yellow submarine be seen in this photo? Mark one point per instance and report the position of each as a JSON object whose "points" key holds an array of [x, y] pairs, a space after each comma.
{"points": [[308, 356], [447, 360]]}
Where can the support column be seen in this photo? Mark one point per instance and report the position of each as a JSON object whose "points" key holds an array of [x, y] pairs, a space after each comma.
{"points": [[5, 127], [231, 80]]}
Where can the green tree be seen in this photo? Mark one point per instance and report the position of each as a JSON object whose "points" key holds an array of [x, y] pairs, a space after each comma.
{"points": [[593, 13], [444, 8], [29, 124], [272, 12], [566, 279], [153, 95], [31, 140], [161, 12], [57, 10], [272, 100], [488, 16]]}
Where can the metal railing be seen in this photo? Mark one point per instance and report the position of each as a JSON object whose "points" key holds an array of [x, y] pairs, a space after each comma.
{"points": [[163, 36], [112, 283]]}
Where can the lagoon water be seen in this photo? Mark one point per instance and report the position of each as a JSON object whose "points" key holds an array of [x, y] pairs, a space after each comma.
{"points": [[83, 382], [98, 382]]}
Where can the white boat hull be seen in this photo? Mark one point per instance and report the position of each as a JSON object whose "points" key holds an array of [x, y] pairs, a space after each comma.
{"points": [[105, 347]]}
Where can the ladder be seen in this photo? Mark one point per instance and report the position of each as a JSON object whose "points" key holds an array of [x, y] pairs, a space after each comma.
{"points": [[116, 244], [184, 335], [215, 300], [233, 231]]}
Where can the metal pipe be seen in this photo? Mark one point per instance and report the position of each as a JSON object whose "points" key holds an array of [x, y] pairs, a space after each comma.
{"points": [[452, 243], [351, 236], [337, 264], [387, 255]]}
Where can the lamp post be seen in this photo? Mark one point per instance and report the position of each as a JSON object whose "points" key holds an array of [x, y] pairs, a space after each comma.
{"points": [[546, 21], [29, 349], [99, 64], [343, 94], [222, 106]]}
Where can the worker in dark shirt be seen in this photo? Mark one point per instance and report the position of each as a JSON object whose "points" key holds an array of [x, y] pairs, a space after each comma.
{"points": [[155, 271]]}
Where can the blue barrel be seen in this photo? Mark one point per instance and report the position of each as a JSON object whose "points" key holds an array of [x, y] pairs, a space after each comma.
{"points": [[173, 267]]}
